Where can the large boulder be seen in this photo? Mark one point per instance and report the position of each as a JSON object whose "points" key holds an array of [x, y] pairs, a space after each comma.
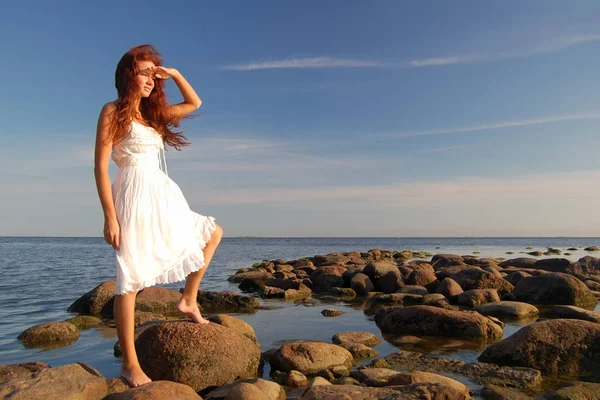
{"points": [[555, 347], [554, 288], [445, 260], [157, 390], [70, 382], [98, 301], [226, 302], [553, 264], [361, 284], [521, 262], [572, 312], [236, 324], [434, 321], [449, 288], [477, 297], [50, 334], [585, 266], [475, 278], [158, 300], [178, 352], [326, 277], [310, 357], [23, 370], [390, 282]]}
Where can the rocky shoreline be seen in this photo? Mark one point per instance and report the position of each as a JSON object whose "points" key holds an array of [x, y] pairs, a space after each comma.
{"points": [[415, 299]]}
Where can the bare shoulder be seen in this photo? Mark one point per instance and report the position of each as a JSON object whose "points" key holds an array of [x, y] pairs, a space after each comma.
{"points": [[108, 109]]}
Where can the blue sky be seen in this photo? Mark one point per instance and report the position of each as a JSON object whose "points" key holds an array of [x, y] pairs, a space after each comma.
{"points": [[338, 118]]}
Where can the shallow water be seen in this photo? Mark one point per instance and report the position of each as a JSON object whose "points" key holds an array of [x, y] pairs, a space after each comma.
{"points": [[43, 276]]}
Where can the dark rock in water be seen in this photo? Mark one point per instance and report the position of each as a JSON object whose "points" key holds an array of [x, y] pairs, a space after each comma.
{"points": [[327, 277], [83, 322], [535, 253], [376, 269], [72, 381], [585, 266], [178, 352], [330, 312], [259, 275], [360, 350], [423, 278], [560, 347], [434, 321], [98, 301], [572, 312], [50, 334], [348, 275], [515, 276], [158, 300], [444, 260], [248, 389], [509, 309], [157, 390], [575, 391], [343, 292], [413, 289], [592, 248], [361, 284], [450, 289], [390, 282], [554, 288], [553, 264], [310, 357], [477, 297], [225, 302], [401, 299]]}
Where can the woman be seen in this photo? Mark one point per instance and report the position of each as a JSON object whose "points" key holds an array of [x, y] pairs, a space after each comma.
{"points": [[147, 220]]}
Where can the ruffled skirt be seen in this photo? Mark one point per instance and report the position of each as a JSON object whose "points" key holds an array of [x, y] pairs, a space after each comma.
{"points": [[161, 238]]}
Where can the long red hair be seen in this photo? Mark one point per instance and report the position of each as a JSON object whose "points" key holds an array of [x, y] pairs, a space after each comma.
{"points": [[154, 109]]}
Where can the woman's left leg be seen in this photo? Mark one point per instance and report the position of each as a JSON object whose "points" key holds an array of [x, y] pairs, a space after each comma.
{"points": [[188, 303]]}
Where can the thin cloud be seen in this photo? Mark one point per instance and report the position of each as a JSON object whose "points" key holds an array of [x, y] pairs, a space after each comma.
{"points": [[497, 125], [315, 62]]}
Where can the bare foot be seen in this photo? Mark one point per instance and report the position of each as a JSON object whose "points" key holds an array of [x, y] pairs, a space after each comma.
{"points": [[134, 376], [192, 311]]}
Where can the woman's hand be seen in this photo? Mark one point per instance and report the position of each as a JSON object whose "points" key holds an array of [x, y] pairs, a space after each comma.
{"points": [[112, 233], [161, 72]]}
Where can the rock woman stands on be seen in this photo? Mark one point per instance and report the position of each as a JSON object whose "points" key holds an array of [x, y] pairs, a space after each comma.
{"points": [[147, 220]]}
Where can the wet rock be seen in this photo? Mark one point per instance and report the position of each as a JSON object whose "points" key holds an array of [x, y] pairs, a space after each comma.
{"points": [[509, 310], [157, 390], [98, 301], [555, 347], [330, 312], [83, 322], [162, 347], [433, 321], [51, 334], [554, 288], [361, 284], [477, 297], [69, 382], [366, 338], [248, 389], [310, 357]]}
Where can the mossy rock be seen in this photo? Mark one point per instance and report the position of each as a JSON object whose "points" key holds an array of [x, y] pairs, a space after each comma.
{"points": [[83, 322]]}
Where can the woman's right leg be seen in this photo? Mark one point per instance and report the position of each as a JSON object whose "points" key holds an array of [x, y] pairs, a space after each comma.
{"points": [[124, 309]]}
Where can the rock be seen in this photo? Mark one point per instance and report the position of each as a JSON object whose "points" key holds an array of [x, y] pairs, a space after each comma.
{"points": [[327, 277], [555, 347], [401, 299], [23, 370], [575, 391], [379, 374], [585, 266], [158, 301], [346, 380], [318, 381], [248, 389], [390, 282], [236, 324], [361, 284], [50, 334], [515, 276], [310, 357], [366, 338], [83, 322], [444, 260], [473, 278], [449, 272], [573, 312], [424, 278], [98, 301], [225, 302], [377, 269], [270, 292], [330, 312], [415, 391], [521, 262], [359, 350], [433, 321], [329, 259], [157, 390], [177, 351], [554, 288], [142, 317], [138, 331], [117, 385], [450, 289], [291, 379], [413, 289], [259, 275], [592, 248], [407, 378], [592, 285], [345, 293], [477, 297], [500, 393], [69, 382], [509, 310], [535, 253]]}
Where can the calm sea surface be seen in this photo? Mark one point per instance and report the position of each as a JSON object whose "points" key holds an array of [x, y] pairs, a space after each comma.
{"points": [[41, 277]]}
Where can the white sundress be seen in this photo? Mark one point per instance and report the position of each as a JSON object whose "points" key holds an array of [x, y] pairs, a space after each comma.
{"points": [[161, 238]]}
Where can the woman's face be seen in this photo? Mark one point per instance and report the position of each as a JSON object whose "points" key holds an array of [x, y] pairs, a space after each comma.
{"points": [[145, 77]]}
